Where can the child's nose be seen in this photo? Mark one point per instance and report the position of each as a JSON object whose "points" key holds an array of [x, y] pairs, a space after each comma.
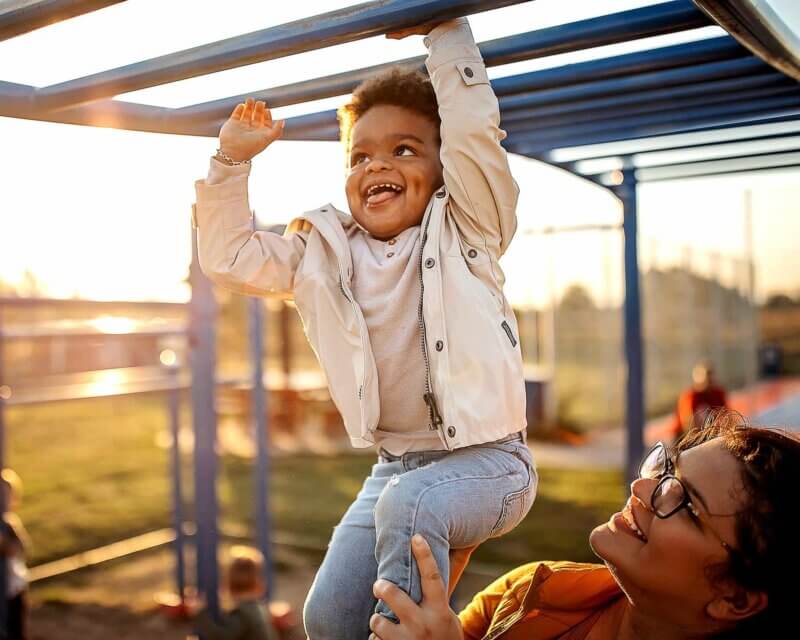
{"points": [[378, 164]]}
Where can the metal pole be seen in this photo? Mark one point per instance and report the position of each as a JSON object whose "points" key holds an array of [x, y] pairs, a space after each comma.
{"points": [[177, 484], [203, 362], [753, 367], [261, 425], [3, 602], [634, 406]]}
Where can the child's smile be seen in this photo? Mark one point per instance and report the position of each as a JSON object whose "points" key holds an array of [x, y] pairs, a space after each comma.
{"points": [[394, 169]]}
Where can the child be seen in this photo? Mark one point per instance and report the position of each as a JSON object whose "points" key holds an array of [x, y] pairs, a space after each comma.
{"points": [[14, 541], [402, 302], [248, 618]]}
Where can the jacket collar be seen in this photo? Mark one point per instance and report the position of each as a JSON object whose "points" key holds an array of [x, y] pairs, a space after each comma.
{"points": [[568, 592]]}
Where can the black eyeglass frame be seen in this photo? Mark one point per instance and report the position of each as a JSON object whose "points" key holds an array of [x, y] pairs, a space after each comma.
{"points": [[668, 475]]}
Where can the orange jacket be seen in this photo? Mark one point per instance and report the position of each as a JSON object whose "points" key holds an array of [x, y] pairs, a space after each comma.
{"points": [[542, 601]]}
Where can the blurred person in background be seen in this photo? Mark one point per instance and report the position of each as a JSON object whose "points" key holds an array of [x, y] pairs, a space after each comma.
{"points": [[695, 403], [14, 544]]}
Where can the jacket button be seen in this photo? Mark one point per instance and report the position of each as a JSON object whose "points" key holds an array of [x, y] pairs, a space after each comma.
{"points": [[440, 193], [439, 345], [472, 253], [451, 431], [430, 262], [468, 72]]}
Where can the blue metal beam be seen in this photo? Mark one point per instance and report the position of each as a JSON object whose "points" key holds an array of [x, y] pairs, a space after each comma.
{"points": [[202, 358], [21, 18], [317, 32], [19, 100], [634, 352], [616, 87], [672, 57], [650, 21], [761, 28], [753, 162], [663, 97], [696, 137], [261, 471], [534, 142]]}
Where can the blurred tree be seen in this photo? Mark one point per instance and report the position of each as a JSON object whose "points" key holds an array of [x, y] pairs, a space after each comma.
{"points": [[577, 298]]}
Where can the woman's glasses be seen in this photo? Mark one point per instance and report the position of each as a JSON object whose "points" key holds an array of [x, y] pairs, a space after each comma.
{"points": [[670, 495]]}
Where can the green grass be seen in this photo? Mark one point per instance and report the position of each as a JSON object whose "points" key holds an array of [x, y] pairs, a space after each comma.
{"points": [[93, 475]]}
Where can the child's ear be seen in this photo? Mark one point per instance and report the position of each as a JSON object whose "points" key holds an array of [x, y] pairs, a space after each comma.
{"points": [[737, 604]]}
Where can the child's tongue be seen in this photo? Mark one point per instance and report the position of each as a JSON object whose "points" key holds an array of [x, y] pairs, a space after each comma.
{"points": [[381, 197]]}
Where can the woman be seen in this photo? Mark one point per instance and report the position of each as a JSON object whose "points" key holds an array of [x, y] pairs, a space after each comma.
{"points": [[704, 548]]}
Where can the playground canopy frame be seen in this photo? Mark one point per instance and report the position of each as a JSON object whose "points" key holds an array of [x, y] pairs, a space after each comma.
{"points": [[703, 95]]}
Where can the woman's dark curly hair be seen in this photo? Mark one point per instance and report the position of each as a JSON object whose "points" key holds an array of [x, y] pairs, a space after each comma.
{"points": [[767, 525], [399, 87]]}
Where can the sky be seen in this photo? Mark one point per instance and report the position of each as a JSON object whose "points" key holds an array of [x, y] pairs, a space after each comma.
{"points": [[104, 214]]}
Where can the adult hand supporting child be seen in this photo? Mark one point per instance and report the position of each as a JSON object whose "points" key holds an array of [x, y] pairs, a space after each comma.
{"points": [[249, 131], [431, 618]]}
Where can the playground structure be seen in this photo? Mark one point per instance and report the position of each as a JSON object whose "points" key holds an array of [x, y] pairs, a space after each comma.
{"points": [[711, 103]]}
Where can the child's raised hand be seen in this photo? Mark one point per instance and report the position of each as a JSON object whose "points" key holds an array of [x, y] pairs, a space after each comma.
{"points": [[249, 131]]}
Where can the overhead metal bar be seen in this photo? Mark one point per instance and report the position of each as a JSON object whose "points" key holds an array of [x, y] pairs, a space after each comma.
{"points": [[534, 142], [664, 158], [22, 16], [672, 57], [659, 19], [759, 162], [317, 32], [607, 177], [696, 74], [606, 109], [758, 27], [766, 129]]}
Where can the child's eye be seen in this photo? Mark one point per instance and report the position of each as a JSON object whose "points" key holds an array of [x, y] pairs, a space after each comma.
{"points": [[358, 159], [404, 150]]}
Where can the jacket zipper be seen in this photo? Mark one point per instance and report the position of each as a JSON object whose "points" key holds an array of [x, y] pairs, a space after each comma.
{"points": [[430, 400], [350, 299]]}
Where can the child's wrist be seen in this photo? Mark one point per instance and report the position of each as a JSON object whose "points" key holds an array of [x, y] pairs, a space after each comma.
{"points": [[231, 159]]}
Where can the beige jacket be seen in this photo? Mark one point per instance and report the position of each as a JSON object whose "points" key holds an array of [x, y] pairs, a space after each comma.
{"points": [[470, 333]]}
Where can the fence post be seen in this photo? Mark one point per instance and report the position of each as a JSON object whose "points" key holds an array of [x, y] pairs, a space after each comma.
{"points": [[261, 426], [174, 406], [203, 363], [3, 579]]}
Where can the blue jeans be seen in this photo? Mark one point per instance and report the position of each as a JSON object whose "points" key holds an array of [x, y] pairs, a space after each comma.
{"points": [[455, 499]]}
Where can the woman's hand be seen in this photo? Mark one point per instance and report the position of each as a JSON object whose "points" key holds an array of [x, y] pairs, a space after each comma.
{"points": [[419, 30], [249, 131], [432, 619]]}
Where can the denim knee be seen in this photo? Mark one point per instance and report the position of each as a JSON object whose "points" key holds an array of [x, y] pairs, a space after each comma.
{"points": [[322, 617]]}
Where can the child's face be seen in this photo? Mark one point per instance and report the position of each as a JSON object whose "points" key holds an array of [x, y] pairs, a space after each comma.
{"points": [[391, 145]]}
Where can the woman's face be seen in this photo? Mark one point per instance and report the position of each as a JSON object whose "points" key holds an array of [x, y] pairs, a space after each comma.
{"points": [[663, 569]]}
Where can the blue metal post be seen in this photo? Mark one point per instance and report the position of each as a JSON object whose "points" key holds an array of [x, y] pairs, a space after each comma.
{"points": [[3, 607], [177, 481], [203, 362], [261, 425], [634, 357]]}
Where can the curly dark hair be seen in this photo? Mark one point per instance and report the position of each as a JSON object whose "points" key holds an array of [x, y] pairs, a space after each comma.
{"points": [[398, 86], [768, 523]]}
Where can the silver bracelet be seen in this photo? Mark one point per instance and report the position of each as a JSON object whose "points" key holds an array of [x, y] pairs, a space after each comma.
{"points": [[226, 159]]}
